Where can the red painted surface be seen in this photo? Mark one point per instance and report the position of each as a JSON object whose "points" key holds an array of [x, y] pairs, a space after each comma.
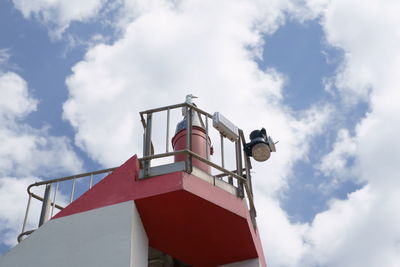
{"points": [[194, 230], [183, 215], [198, 146], [120, 186]]}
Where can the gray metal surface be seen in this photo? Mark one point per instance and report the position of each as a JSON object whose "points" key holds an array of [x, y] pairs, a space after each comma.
{"points": [[44, 214], [147, 143], [163, 169]]}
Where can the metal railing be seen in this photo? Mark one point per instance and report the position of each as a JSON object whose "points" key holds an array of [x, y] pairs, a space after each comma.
{"points": [[49, 199], [241, 174]]}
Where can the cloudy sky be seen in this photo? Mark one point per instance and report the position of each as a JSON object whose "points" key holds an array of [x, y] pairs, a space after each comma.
{"points": [[319, 75]]}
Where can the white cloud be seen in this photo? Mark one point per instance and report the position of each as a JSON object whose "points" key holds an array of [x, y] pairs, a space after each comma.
{"points": [[13, 197], [4, 56], [15, 101], [364, 229], [58, 15], [282, 240], [25, 152], [335, 163]]}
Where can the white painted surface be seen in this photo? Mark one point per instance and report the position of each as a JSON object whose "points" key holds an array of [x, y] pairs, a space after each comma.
{"points": [[109, 236], [247, 263], [139, 241]]}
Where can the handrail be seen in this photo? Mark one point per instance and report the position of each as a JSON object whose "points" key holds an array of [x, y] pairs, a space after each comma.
{"points": [[241, 174], [52, 203], [66, 178]]}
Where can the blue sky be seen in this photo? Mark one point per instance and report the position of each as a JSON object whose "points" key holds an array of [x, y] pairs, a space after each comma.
{"points": [[321, 80]]}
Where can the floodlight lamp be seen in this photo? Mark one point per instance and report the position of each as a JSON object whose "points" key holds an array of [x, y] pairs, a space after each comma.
{"points": [[261, 152], [260, 145]]}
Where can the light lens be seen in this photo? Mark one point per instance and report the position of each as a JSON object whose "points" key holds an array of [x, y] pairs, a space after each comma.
{"points": [[261, 152]]}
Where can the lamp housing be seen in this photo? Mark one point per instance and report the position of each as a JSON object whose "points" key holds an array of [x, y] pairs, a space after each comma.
{"points": [[260, 145]]}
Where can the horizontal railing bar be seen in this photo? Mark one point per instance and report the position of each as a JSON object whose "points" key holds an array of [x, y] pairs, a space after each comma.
{"points": [[163, 108], [174, 107], [162, 155], [197, 157], [225, 174], [41, 199], [19, 238], [70, 177], [216, 166], [200, 111]]}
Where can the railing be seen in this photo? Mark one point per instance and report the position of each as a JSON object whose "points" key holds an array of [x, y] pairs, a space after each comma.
{"points": [[49, 199], [241, 174]]}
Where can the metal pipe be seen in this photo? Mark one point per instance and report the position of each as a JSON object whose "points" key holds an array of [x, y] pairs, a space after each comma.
{"points": [[21, 235], [212, 164], [45, 205], [73, 191], [238, 149], [69, 178], [91, 181], [224, 174], [222, 151], [41, 199], [147, 144], [194, 108], [207, 145], [54, 200], [188, 162], [26, 213], [149, 111], [162, 155], [167, 135]]}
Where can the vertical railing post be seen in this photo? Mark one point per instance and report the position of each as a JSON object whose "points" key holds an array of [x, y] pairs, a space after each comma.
{"points": [[72, 191], [222, 151], [239, 167], [91, 181], [54, 200], [44, 214], [188, 162], [147, 143], [207, 144], [26, 213], [167, 135]]}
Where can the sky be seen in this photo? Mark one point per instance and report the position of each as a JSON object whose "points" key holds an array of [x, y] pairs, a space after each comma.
{"points": [[320, 75]]}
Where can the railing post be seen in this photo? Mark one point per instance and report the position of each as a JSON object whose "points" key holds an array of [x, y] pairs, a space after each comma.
{"points": [[147, 143], [167, 134], [44, 215], [239, 172], [54, 200], [72, 191], [188, 162], [26, 213], [207, 144]]}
